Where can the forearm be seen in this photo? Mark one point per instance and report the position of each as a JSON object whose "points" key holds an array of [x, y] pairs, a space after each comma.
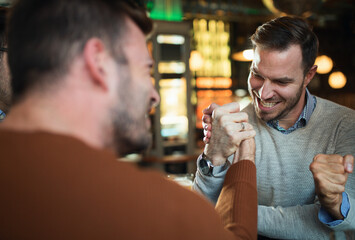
{"points": [[349, 221], [210, 186], [237, 204]]}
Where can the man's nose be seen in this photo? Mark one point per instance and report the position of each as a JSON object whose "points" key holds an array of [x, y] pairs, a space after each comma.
{"points": [[155, 98], [266, 90]]}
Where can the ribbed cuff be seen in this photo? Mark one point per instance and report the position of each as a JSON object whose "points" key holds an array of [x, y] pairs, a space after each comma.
{"points": [[244, 170]]}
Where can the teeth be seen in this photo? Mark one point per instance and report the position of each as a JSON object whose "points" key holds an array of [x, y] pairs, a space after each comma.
{"points": [[264, 104], [267, 104]]}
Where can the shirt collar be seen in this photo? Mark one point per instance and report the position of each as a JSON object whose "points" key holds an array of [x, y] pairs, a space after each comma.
{"points": [[2, 115]]}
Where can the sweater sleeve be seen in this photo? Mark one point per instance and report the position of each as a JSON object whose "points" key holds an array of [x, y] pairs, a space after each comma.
{"points": [[237, 204], [344, 145]]}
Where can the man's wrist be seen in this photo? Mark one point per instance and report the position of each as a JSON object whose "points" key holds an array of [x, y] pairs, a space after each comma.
{"points": [[325, 216], [205, 166], [335, 210], [216, 159]]}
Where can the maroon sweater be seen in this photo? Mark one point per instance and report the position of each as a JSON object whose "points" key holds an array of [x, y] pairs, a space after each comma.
{"points": [[57, 187]]}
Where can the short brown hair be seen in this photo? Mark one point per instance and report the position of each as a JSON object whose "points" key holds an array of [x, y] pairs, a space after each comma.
{"points": [[45, 35], [282, 32]]}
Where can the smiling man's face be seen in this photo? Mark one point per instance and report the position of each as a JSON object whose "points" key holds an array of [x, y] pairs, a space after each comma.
{"points": [[277, 84]]}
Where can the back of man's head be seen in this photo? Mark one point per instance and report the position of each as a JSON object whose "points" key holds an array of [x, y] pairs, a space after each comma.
{"points": [[46, 35], [280, 33]]}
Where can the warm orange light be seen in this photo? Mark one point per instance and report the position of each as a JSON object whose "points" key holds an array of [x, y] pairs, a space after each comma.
{"points": [[214, 93], [337, 80], [208, 82], [244, 56], [324, 63]]}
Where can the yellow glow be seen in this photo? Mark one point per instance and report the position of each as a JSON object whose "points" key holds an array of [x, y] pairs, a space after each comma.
{"points": [[337, 80], [173, 108], [212, 41], [269, 4], [212, 26], [171, 67], [244, 56], [324, 63], [171, 39], [196, 61]]}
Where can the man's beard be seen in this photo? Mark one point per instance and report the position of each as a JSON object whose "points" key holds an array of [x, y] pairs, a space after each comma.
{"points": [[290, 105], [288, 108], [128, 134], [5, 97]]}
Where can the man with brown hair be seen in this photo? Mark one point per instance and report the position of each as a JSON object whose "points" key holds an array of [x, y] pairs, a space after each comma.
{"points": [[82, 93], [295, 132]]}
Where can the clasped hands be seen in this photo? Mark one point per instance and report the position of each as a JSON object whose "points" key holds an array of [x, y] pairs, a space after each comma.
{"points": [[232, 134]]}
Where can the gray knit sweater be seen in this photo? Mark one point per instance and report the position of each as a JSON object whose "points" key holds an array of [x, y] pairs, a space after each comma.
{"points": [[288, 207]]}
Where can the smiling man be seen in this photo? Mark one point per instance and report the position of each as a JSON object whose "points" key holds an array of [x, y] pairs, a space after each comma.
{"points": [[295, 132]]}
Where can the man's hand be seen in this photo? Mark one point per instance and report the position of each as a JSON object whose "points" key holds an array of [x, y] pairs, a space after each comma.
{"points": [[228, 128], [330, 173], [246, 151], [207, 121]]}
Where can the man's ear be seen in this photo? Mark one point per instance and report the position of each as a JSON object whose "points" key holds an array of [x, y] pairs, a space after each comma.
{"points": [[94, 57], [310, 75]]}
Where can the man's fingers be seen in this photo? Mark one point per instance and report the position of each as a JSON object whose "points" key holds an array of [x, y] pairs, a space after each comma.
{"points": [[325, 167], [207, 133], [207, 126], [210, 109], [244, 126], [328, 158], [349, 163], [328, 188], [226, 109], [339, 179], [246, 134], [230, 118], [206, 119], [334, 163]]}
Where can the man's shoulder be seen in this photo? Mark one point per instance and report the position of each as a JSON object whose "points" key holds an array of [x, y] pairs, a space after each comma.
{"points": [[330, 108]]}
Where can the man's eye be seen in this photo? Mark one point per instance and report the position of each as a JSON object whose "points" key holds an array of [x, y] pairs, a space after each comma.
{"points": [[281, 83], [257, 76]]}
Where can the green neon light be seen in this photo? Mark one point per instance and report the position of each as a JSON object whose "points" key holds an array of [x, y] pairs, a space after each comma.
{"points": [[168, 10]]}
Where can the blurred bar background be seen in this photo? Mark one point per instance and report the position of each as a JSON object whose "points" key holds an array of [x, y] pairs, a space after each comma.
{"points": [[202, 54]]}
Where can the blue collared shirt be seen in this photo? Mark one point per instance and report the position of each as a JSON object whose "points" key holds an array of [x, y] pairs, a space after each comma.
{"points": [[302, 121], [2, 115]]}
